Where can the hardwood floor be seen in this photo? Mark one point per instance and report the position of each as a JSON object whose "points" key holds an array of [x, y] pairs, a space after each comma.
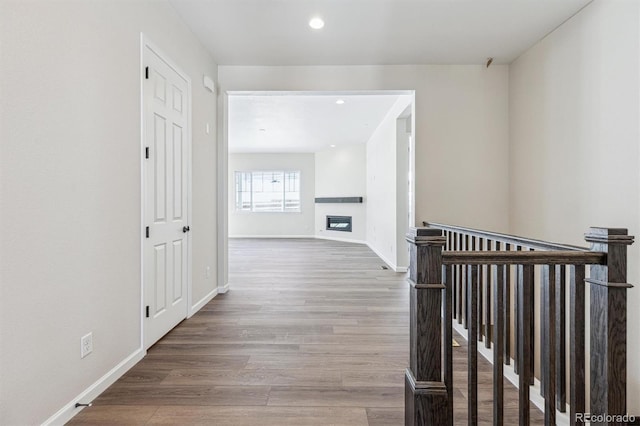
{"points": [[312, 332]]}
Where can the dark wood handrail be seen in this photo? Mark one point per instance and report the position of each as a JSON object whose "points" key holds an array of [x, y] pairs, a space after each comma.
{"points": [[563, 257], [505, 238], [470, 276]]}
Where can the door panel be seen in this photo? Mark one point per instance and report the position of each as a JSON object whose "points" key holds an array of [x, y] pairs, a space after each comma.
{"points": [[160, 165], [160, 278], [178, 257], [178, 177], [166, 191]]}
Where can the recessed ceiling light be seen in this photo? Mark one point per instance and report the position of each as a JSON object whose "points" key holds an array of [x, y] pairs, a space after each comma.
{"points": [[339, 101], [332, 146], [316, 23]]}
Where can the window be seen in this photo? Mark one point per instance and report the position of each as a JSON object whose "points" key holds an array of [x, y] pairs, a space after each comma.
{"points": [[275, 191]]}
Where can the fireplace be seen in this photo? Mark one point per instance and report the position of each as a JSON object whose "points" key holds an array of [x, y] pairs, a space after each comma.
{"points": [[339, 223]]}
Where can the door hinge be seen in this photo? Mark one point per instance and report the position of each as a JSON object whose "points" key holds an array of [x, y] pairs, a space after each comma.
{"points": [[146, 152], [146, 73], [147, 311], [146, 232]]}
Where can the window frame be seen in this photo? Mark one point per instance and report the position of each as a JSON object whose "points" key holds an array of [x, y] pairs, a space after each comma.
{"points": [[242, 174]]}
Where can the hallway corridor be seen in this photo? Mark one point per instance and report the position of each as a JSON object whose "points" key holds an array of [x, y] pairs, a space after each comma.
{"points": [[311, 332]]}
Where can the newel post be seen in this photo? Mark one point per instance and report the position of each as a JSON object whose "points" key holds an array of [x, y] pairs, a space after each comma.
{"points": [[426, 400], [609, 324]]}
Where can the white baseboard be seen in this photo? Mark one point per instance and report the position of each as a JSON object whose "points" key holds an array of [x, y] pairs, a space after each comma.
{"points": [[272, 236], [393, 266], [68, 411], [223, 289], [195, 308], [343, 240], [562, 419], [382, 256]]}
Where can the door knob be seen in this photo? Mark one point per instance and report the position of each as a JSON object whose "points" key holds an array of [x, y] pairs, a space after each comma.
{"points": [[186, 229]]}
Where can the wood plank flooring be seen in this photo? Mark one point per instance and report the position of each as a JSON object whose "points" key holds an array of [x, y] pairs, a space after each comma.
{"points": [[312, 332]]}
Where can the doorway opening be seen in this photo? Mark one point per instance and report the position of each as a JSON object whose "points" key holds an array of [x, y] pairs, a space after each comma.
{"points": [[342, 145]]}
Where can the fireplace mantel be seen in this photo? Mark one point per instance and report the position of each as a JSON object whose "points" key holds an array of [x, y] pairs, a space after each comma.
{"points": [[337, 200]]}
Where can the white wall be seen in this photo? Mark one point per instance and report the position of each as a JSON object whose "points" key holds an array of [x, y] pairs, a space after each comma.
{"points": [[70, 189], [461, 128], [382, 181], [245, 224], [342, 172], [574, 117]]}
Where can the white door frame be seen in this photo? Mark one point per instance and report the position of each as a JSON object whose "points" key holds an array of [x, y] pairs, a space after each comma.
{"points": [[223, 162], [145, 42]]}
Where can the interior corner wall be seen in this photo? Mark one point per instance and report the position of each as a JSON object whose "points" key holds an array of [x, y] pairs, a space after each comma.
{"points": [[263, 224], [574, 131], [70, 163], [404, 136], [342, 172], [382, 178]]}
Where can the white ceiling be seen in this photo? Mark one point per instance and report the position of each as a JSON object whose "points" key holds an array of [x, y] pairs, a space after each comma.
{"points": [[370, 32], [309, 122], [357, 32]]}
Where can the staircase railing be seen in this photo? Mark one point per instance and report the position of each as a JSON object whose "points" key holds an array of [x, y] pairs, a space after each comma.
{"points": [[487, 283]]}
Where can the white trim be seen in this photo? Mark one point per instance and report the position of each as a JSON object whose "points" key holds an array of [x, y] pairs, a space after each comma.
{"points": [[223, 289], [146, 43], [393, 266], [69, 410], [222, 192], [272, 236], [189, 192], [195, 308], [562, 419], [318, 92], [142, 193], [344, 240]]}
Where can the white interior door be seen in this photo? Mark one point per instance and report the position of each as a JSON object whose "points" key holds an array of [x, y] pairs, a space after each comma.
{"points": [[166, 166]]}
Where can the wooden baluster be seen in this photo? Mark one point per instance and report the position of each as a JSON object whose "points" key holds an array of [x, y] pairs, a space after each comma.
{"points": [[472, 345], [487, 302], [498, 348], [465, 277], [561, 381], [576, 343], [450, 247], [459, 286], [549, 348], [525, 281], [448, 337], [516, 321], [609, 322], [532, 342], [426, 397], [507, 313], [543, 336], [481, 276]]}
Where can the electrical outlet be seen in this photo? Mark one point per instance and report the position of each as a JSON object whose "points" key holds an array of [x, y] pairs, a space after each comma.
{"points": [[86, 345], [207, 272]]}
